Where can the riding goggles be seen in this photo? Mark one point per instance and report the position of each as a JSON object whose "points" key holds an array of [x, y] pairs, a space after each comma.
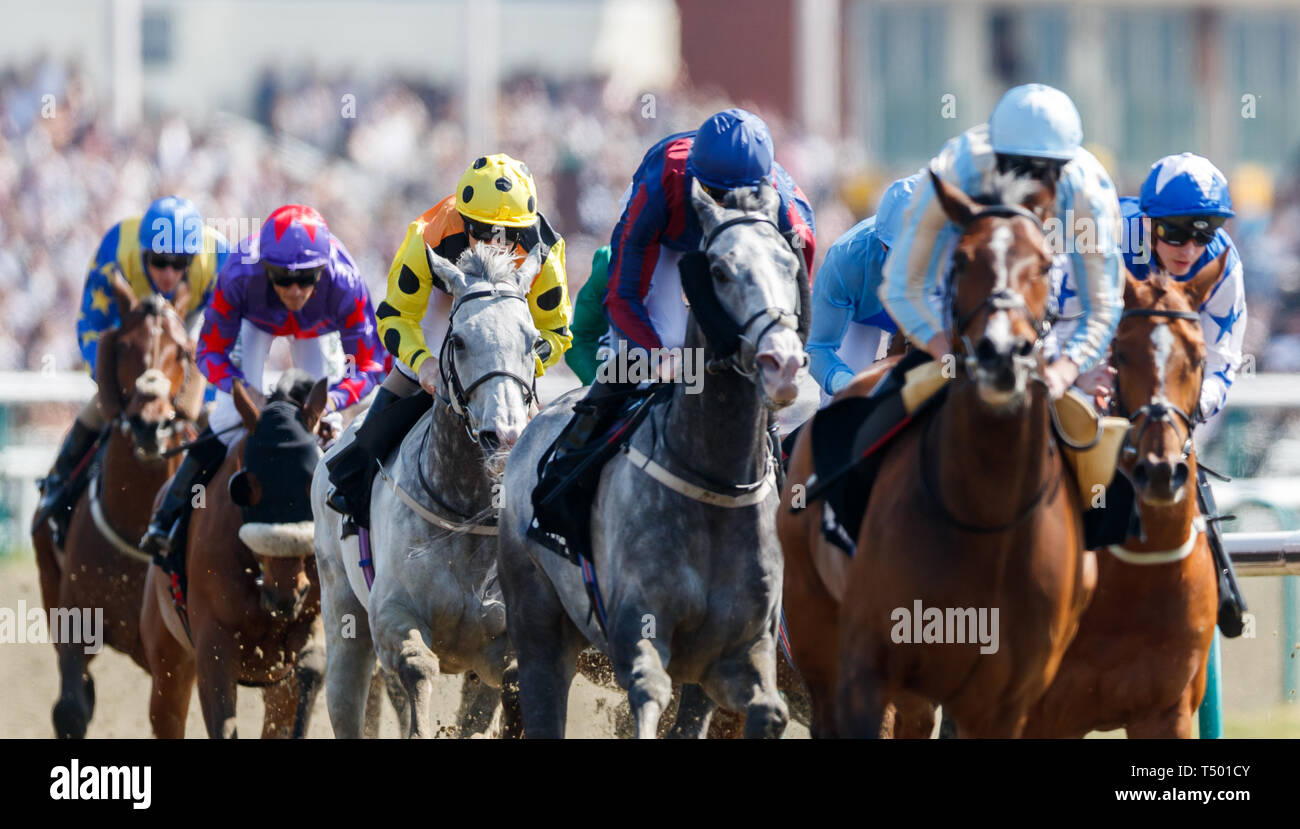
{"points": [[484, 232], [175, 261], [284, 277], [1199, 229]]}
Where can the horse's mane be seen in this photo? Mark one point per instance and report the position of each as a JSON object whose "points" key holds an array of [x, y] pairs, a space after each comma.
{"points": [[488, 262], [1009, 188], [748, 199]]}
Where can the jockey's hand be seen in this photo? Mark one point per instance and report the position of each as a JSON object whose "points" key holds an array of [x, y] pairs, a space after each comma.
{"points": [[330, 427], [1059, 376], [428, 374], [939, 347], [1098, 384]]}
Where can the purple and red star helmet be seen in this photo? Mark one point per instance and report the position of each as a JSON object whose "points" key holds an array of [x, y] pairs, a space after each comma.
{"points": [[295, 237]]}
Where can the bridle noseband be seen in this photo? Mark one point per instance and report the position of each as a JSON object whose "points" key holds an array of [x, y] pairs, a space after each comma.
{"points": [[179, 417], [458, 400], [1159, 411]]}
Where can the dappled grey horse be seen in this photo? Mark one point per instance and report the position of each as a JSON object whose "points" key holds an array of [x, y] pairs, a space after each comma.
{"points": [[684, 542], [435, 606]]}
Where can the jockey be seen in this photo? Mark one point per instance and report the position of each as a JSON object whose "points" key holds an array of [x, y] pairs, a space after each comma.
{"points": [[1034, 130], [296, 280], [155, 253], [731, 150], [590, 327], [1185, 201], [846, 293], [495, 202]]}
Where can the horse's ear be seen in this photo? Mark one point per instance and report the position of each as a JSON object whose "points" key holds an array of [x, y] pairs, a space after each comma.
{"points": [[244, 405], [123, 295], [531, 266], [1198, 288], [709, 211], [109, 394], [181, 298], [314, 409], [958, 206], [446, 276], [770, 201], [1131, 284], [244, 489]]}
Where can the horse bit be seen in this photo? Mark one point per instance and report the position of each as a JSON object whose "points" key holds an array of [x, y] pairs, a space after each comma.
{"points": [[1159, 411]]}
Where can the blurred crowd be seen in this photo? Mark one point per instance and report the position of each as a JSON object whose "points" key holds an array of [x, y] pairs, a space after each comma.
{"points": [[370, 156]]}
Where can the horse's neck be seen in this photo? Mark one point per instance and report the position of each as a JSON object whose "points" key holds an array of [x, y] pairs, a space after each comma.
{"points": [[128, 485], [1167, 526], [453, 464], [976, 447], [721, 431]]}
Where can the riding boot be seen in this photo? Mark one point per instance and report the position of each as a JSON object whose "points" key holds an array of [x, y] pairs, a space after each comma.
{"points": [[1232, 603], [590, 416], [201, 462], [75, 446], [352, 470]]}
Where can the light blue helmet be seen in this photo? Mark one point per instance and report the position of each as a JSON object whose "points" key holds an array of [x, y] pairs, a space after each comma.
{"points": [[1038, 121], [1185, 185], [172, 225], [893, 204]]}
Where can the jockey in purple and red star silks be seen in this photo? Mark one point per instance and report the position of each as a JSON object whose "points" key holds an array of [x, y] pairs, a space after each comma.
{"points": [[735, 148]]}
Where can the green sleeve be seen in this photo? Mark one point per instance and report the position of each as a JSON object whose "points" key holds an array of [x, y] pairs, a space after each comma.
{"points": [[589, 320]]}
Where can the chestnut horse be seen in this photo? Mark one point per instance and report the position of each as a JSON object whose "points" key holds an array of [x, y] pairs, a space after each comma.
{"points": [[973, 512], [150, 391], [249, 612], [1138, 660]]}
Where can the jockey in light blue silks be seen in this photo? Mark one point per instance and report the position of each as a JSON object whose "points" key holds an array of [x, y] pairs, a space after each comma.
{"points": [[850, 327], [1034, 130]]}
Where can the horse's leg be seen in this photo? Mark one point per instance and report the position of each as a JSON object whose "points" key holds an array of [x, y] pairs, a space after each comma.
{"points": [[747, 682], [859, 698], [374, 705], [1174, 722], [913, 717], [694, 712], [478, 706], [349, 661], [512, 723], [280, 704], [649, 687], [398, 699], [218, 669], [170, 665], [76, 702], [309, 673], [416, 666]]}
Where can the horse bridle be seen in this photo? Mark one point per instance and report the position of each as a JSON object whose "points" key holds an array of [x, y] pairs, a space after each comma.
{"points": [[179, 418], [458, 401], [1158, 411], [747, 366]]}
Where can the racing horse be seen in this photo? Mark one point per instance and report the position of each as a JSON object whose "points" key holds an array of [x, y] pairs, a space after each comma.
{"points": [[150, 391], [253, 596], [687, 568], [933, 536], [1139, 658], [434, 605]]}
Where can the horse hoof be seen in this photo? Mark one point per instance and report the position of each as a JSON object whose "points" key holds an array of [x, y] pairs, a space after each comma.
{"points": [[69, 720]]}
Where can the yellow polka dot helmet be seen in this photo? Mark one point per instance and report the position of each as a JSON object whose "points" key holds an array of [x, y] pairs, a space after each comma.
{"points": [[498, 190]]}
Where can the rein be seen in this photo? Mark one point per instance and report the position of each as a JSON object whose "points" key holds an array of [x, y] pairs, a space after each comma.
{"points": [[458, 401]]}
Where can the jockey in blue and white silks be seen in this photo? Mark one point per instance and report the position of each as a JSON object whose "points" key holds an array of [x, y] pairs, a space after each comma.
{"points": [[1034, 130], [850, 326]]}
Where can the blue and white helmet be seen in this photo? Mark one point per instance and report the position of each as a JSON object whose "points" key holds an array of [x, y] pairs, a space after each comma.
{"points": [[893, 204], [1036, 120], [1185, 185]]}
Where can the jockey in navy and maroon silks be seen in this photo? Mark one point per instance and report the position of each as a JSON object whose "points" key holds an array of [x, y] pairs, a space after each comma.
{"points": [[298, 281], [643, 300]]}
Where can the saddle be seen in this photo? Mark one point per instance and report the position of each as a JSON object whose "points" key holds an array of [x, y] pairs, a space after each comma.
{"points": [[566, 490]]}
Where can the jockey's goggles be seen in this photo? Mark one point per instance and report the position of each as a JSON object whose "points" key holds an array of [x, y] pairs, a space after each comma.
{"points": [[175, 261], [1198, 229], [283, 277], [1032, 166], [484, 232]]}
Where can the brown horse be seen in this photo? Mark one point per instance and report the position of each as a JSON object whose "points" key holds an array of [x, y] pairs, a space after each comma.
{"points": [[253, 595], [1138, 660], [973, 513], [151, 392]]}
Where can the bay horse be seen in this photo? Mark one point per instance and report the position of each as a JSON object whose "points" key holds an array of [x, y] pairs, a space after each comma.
{"points": [[151, 392], [683, 544], [432, 604], [253, 596], [973, 511], [1138, 661]]}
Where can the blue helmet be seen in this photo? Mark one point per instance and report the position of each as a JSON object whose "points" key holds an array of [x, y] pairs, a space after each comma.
{"points": [[732, 149], [893, 204], [172, 225], [1038, 121], [1185, 185]]}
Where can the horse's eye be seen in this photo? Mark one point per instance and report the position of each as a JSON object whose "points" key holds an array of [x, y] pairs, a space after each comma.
{"points": [[719, 273], [1120, 360], [457, 343]]}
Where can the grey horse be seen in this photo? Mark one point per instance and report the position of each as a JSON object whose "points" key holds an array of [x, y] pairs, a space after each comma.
{"points": [[691, 589], [435, 606]]}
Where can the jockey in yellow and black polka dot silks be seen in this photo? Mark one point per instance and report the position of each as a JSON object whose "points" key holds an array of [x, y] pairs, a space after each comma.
{"points": [[496, 199]]}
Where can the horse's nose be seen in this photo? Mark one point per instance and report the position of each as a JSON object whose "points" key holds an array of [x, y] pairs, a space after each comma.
{"points": [[1160, 476], [779, 371], [490, 441]]}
